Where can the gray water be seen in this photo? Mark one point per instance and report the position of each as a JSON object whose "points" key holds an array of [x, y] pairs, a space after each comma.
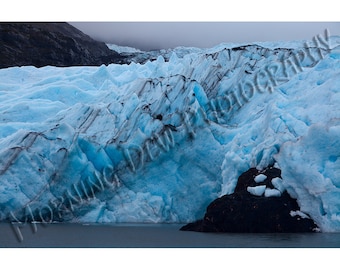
{"points": [[152, 236]]}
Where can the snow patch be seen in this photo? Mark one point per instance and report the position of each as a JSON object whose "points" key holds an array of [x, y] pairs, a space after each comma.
{"points": [[257, 191], [278, 184], [298, 213], [260, 178], [272, 192], [122, 49]]}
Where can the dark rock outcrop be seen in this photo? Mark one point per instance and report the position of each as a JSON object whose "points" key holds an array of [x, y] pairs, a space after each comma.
{"points": [[54, 44], [242, 212]]}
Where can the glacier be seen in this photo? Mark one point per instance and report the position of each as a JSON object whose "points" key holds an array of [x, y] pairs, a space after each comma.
{"points": [[156, 142]]}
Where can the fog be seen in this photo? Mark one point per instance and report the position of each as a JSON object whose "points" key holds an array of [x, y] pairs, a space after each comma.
{"points": [[158, 35]]}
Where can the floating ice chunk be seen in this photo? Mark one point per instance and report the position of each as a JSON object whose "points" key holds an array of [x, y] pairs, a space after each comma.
{"points": [[278, 184], [260, 178], [269, 192], [298, 213], [257, 191]]}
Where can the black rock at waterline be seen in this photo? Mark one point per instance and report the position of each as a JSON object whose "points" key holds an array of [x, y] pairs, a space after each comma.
{"points": [[53, 44], [242, 212]]}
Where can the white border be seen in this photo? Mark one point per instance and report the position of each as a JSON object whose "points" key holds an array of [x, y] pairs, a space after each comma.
{"points": [[172, 10]]}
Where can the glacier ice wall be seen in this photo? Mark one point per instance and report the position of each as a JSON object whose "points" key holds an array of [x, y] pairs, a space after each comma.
{"points": [[157, 142]]}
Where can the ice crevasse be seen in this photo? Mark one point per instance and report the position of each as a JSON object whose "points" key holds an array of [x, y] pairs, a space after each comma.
{"points": [[157, 142]]}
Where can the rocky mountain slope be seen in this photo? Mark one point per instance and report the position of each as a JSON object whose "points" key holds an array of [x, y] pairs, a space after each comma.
{"points": [[51, 44]]}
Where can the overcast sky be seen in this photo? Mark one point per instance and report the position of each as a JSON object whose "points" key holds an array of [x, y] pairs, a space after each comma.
{"points": [[157, 35]]}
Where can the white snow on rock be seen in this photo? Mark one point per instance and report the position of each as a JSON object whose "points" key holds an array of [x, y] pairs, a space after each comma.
{"points": [[278, 184], [298, 213], [272, 192], [276, 166], [260, 178], [257, 191], [158, 142]]}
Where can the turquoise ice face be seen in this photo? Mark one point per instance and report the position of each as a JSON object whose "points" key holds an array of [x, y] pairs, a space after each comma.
{"points": [[157, 142]]}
